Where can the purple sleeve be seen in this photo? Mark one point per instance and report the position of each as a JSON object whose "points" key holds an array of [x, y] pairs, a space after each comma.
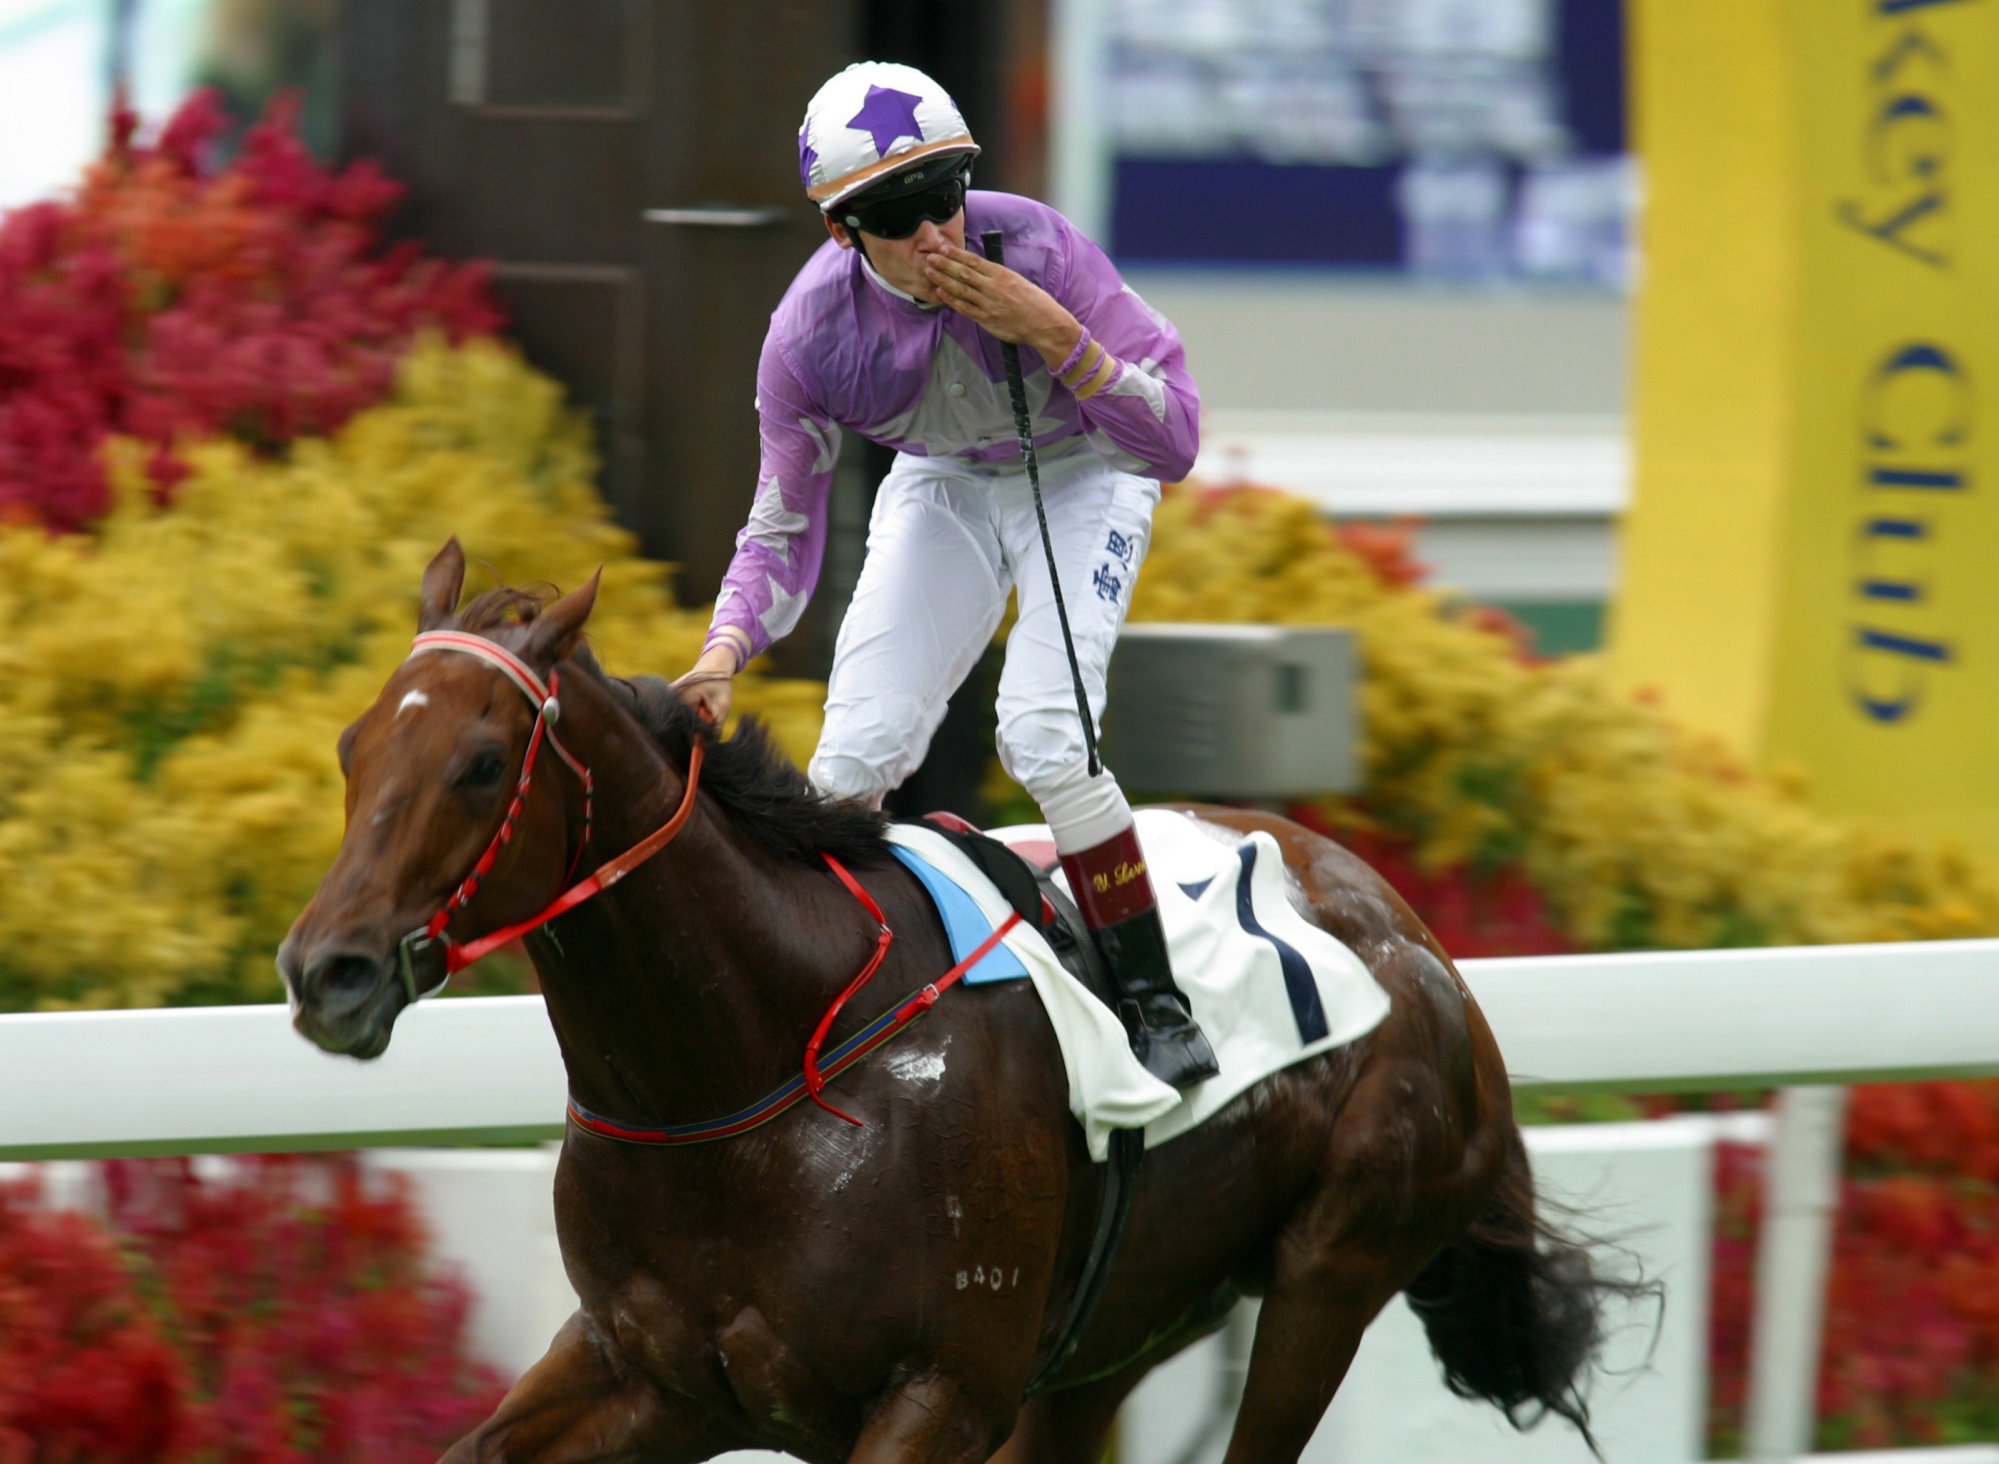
{"points": [[779, 550], [1129, 374]]}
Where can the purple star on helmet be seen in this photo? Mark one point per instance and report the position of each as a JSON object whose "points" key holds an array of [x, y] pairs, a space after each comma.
{"points": [[806, 158], [887, 115]]}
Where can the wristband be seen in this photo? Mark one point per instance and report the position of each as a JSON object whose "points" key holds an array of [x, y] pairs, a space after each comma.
{"points": [[1074, 358], [735, 639], [1090, 369]]}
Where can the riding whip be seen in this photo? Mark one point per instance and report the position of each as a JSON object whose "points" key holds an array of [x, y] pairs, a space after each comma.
{"points": [[1023, 426]]}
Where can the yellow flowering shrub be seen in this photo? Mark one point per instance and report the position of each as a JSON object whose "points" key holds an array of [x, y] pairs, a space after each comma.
{"points": [[1637, 833], [171, 686]]}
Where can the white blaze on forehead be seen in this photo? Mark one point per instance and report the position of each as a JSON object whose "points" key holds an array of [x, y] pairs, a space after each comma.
{"points": [[412, 699]]}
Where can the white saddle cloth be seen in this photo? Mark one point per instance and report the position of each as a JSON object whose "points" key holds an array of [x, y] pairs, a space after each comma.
{"points": [[1268, 988]]}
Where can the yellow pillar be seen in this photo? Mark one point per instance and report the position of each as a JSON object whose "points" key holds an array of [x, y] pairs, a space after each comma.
{"points": [[1811, 562]]}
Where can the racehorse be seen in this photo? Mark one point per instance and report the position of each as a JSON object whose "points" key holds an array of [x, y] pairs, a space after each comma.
{"points": [[802, 1285]]}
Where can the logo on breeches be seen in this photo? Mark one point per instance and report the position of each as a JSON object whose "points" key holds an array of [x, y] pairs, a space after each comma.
{"points": [[1108, 579]]}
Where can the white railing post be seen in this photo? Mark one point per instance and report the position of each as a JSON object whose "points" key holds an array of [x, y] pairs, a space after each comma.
{"points": [[1793, 1256]]}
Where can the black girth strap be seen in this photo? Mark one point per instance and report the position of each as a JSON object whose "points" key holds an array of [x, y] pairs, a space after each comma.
{"points": [[1120, 1179], [1024, 887]]}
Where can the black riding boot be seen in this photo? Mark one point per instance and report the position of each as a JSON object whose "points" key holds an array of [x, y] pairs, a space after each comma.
{"points": [[1153, 1009], [1114, 893]]}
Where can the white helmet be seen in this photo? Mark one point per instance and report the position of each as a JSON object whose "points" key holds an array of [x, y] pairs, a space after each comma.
{"points": [[872, 118]]}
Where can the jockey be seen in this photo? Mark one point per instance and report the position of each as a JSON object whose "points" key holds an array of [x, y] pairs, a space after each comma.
{"points": [[893, 330]]}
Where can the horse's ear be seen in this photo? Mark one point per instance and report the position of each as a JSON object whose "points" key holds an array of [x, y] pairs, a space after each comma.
{"points": [[552, 634], [442, 581]]}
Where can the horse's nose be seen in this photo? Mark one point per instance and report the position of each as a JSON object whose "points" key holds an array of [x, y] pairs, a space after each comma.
{"points": [[288, 970], [339, 976]]}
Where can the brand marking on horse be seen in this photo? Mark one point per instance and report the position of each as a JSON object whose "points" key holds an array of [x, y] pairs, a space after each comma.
{"points": [[956, 1210], [994, 1279], [412, 699]]}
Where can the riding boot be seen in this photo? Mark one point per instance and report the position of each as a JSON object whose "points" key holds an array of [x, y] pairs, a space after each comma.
{"points": [[1114, 892]]}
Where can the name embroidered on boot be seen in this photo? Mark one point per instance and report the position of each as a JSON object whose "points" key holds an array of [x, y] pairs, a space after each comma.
{"points": [[1118, 877]]}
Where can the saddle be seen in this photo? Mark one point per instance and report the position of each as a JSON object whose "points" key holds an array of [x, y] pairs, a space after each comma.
{"points": [[1026, 877]]}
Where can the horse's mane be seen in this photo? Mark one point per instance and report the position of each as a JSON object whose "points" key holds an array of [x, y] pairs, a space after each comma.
{"points": [[764, 792], [761, 789]]}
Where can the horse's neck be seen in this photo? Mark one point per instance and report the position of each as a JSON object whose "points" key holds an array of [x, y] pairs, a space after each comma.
{"points": [[684, 991]]}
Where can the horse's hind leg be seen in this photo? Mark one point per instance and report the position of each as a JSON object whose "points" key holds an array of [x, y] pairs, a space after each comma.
{"points": [[1307, 1333], [1345, 1252]]}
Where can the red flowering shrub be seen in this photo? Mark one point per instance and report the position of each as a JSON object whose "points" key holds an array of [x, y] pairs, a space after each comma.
{"points": [[84, 1371], [1388, 550], [164, 300], [1938, 1129], [1911, 1337], [1472, 913], [279, 1317]]}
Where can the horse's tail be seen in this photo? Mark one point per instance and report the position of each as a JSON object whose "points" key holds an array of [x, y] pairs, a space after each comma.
{"points": [[1514, 1307]]}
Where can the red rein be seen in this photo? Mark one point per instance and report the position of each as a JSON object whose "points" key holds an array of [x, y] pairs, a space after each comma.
{"points": [[910, 1010], [595, 883], [884, 938]]}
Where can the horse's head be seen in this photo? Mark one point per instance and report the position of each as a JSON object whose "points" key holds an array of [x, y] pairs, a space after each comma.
{"points": [[432, 772]]}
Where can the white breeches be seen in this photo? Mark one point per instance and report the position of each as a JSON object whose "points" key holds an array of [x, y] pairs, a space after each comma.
{"points": [[947, 542]]}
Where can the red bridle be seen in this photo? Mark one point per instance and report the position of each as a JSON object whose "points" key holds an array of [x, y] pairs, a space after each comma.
{"points": [[548, 711], [812, 1081]]}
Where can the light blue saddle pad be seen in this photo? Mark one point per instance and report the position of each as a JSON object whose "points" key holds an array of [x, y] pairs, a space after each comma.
{"points": [[964, 922]]}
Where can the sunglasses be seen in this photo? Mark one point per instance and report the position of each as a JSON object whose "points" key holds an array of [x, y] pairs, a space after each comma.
{"points": [[898, 218]]}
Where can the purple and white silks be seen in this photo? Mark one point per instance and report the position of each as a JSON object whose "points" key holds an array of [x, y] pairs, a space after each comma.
{"points": [[845, 351]]}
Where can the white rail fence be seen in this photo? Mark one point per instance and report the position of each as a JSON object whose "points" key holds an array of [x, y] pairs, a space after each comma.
{"points": [[238, 1080]]}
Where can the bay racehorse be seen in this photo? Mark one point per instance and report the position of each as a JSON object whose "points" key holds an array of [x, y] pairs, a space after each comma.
{"points": [[805, 1285]]}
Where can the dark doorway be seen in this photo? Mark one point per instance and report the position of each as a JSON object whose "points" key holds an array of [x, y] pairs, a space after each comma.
{"points": [[628, 165]]}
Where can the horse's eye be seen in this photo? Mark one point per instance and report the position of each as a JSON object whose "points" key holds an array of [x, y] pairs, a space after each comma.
{"points": [[484, 771]]}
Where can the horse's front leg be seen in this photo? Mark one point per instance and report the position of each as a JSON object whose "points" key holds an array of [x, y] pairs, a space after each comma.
{"points": [[932, 1419], [579, 1406]]}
